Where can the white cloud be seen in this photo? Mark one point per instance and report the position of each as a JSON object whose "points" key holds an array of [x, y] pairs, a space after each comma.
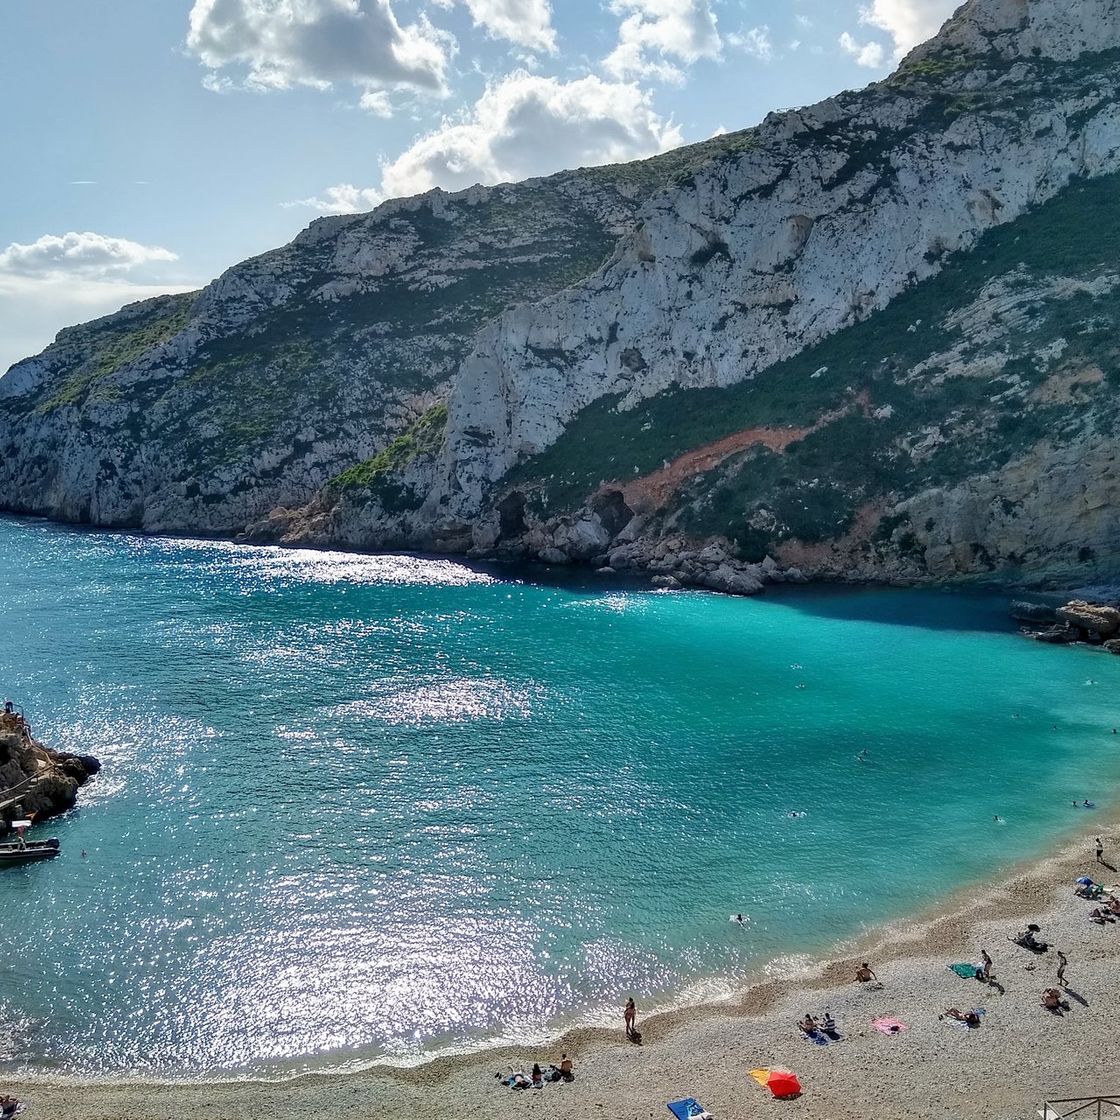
{"points": [[342, 199], [377, 103], [756, 42], [908, 22], [528, 23], [521, 126], [283, 43], [653, 31], [870, 54], [79, 254], [529, 125]]}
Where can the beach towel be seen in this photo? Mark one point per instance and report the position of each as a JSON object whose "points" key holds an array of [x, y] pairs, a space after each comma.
{"points": [[816, 1038], [965, 971], [688, 1109], [888, 1025]]}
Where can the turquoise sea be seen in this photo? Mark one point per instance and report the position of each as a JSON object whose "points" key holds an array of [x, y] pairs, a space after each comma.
{"points": [[366, 807]]}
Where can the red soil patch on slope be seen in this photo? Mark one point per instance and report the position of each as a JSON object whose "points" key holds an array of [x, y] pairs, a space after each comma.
{"points": [[653, 491]]}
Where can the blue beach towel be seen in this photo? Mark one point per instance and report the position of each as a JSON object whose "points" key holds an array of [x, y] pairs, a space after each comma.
{"points": [[816, 1038], [965, 971], [688, 1109]]}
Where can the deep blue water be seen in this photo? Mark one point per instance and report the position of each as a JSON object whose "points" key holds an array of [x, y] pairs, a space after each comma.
{"points": [[357, 806]]}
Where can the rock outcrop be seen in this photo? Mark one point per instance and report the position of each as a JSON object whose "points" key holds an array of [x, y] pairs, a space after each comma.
{"points": [[869, 339], [1078, 621], [34, 780]]}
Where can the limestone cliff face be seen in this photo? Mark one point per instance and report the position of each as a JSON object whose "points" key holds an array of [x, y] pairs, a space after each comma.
{"points": [[869, 338], [830, 213]]}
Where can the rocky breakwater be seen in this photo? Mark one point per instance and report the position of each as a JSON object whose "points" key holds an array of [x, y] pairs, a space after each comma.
{"points": [[1077, 622], [34, 780]]}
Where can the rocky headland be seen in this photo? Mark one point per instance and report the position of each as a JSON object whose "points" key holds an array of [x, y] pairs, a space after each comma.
{"points": [[36, 781], [870, 339]]}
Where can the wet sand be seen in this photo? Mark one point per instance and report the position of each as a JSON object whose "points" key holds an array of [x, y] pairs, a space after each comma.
{"points": [[1019, 1057]]}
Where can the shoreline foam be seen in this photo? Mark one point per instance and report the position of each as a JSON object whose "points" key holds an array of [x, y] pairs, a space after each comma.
{"points": [[1019, 1057]]}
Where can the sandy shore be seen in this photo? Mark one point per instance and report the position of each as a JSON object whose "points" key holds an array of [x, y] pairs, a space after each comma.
{"points": [[1019, 1057]]}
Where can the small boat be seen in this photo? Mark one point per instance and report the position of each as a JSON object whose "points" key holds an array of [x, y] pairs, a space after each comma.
{"points": [[27, 851]]}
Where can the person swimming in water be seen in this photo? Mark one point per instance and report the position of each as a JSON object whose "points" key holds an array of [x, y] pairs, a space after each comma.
{"points": [[862, 756]]}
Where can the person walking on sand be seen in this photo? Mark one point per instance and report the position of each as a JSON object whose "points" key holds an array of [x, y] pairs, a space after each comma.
{"points": [[1100, 851], [1062, 962], [629, 1014]]}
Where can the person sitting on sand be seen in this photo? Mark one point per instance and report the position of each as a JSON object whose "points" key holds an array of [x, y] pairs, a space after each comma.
{"points": [[828, 1023], [1052, 1000], [864, 974], [969, 1017], [808, 1024], [1114, 904], [567, 1071], [1027, 940], [538, 1076]]}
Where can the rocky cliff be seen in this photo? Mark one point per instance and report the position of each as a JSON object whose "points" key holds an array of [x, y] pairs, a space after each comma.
{"points": [[199, 413], [872, 338]]}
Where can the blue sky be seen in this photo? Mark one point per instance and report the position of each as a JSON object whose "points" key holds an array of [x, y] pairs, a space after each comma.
{"points": [[149, 144]]}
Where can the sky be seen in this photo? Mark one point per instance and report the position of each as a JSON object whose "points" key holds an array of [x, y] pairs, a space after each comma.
{"points": [[148, 145]]}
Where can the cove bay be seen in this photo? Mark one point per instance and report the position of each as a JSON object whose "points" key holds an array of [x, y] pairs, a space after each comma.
{"points": [[360, 808]]}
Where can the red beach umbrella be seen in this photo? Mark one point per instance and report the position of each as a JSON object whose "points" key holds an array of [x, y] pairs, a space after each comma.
{"points": [[782, 1083]]}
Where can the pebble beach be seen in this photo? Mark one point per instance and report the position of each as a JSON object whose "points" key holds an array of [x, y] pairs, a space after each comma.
{"points": [[1019, 1057]]}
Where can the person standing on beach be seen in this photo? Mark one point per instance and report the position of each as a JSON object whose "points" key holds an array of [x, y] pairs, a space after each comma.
{"points": [[1062, 962], [629, 1014], [986, 969], [1100, 851]]}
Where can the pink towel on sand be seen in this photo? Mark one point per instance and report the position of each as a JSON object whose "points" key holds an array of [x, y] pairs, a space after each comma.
{"points": [[889, 1026]]}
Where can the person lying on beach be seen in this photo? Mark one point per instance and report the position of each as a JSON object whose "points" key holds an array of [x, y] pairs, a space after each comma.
{"points": [[518, 1080], [864, 974], [808, 1024], [1052, 1000], [1101, 917], [969, 1017]]}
